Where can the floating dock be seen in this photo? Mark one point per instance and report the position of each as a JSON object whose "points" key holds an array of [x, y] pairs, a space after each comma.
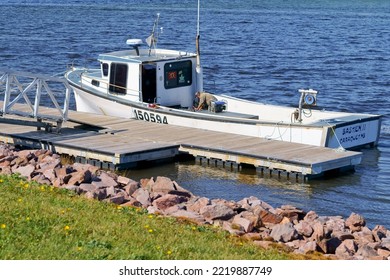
{"points": [[117, 143]]}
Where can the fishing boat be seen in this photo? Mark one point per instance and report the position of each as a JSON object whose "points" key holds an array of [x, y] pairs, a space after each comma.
{"points": [[159, 85]]}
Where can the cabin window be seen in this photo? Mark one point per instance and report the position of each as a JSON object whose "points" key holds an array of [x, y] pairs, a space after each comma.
{"points": [[178, 74], [118, 78], [95, 83], [105, 69]]}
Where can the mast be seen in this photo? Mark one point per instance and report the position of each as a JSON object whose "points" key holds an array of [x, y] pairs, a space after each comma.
{"points": [[199, 71], [152, 40]]}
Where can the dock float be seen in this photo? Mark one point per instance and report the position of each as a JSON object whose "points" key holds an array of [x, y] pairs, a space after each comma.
{"points": [[118, 143]]}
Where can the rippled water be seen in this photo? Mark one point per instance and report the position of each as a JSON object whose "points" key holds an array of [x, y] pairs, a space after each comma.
{"points": [[259, 50]]}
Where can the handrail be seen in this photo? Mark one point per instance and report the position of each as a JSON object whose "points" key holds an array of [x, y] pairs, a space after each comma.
{"points": [[16, 86]]}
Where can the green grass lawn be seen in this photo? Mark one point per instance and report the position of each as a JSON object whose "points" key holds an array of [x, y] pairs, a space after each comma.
{"points": [[45, 223]]}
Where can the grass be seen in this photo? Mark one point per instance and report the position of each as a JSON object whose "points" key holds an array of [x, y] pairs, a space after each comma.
{"points": [[39, 222]]}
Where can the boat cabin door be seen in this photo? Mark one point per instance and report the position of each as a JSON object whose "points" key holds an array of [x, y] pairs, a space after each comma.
{"points": [[149, 84]]}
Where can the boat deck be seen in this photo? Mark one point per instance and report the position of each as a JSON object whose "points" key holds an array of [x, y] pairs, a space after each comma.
{"points": [[117, 143]]}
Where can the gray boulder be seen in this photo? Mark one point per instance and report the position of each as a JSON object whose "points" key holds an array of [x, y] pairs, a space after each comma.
{"points": [[284, 232]]}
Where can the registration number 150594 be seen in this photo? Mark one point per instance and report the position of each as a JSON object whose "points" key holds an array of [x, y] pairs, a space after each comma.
{"points": [[150, 117]]}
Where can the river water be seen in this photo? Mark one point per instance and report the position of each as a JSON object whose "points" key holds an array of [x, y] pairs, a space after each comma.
{"points": [[259, 50]]}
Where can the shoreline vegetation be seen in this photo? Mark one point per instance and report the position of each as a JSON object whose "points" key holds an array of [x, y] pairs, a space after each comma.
{"points": [[54, 210]]}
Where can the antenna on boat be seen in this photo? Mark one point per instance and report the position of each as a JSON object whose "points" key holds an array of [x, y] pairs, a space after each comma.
{"points": [[199, 71], [152, 40]]}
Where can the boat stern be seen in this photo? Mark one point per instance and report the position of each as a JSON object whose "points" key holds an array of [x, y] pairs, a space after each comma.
{"points": [[354, 134]]}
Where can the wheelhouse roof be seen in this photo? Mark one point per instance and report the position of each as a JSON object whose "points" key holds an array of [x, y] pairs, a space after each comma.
{"points": [[155, 55]]}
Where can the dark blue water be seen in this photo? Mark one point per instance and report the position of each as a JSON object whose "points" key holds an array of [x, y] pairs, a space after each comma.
{"points": [[260, 50]]}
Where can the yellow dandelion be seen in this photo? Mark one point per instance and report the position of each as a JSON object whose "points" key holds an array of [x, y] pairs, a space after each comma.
{"points": [[146, 226], [67, 228], [193, 228], [1, 181], [169, 252], [150, 216], [79, 248], [26, 185], [28, 218], [62, 211], [3, 226], [119, 207], [150, 231], [19, 200], [42, 188]]}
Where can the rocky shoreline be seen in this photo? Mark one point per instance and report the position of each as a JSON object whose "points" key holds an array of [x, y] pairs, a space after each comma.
{"points": [[302, 232]]}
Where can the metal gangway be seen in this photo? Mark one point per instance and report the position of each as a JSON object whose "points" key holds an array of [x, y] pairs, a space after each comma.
{"points": [[35, 91]]}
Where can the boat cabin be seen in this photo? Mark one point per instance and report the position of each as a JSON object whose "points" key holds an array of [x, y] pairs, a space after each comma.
{"points": [[159, 76]]}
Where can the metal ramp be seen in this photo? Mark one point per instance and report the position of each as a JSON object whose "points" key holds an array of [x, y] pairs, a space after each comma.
{"points": [[33, 91]]}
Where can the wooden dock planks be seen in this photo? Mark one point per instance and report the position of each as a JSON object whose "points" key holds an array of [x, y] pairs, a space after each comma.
{"points": [[124, 142]]}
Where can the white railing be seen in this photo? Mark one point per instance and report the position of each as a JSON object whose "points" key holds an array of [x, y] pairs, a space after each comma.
{"points": [[35, 92]]}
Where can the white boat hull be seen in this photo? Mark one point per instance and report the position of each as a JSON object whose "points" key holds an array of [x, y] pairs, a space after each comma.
{"points": [[335, 131]]}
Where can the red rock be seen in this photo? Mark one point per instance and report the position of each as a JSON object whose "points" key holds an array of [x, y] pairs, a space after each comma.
{"points": [[80, 177], [119, 198], [25, 171], [198, 204], [111, 191], [86, 187], [346, 249], [50, 162], [61, 172], [284, 232], [162, 185], [188, 215], [108, 179], [147, 183], [335, 223], [84, 166], [5, 162], [167, 201], [18, 161], [329, 245], [27, 154], [6, 170], [383, 253], [367, 252], [318, 231], [41, 179], [363, 236], [342, 235], [142, 196], [124, 180], [131, 187], [304, 228], [267, 217], [310, 216], [385, 243], [379, 232], [132, 203], [355, 222], [308, 247], [217, 212], [49, 174], [244, 224]]}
